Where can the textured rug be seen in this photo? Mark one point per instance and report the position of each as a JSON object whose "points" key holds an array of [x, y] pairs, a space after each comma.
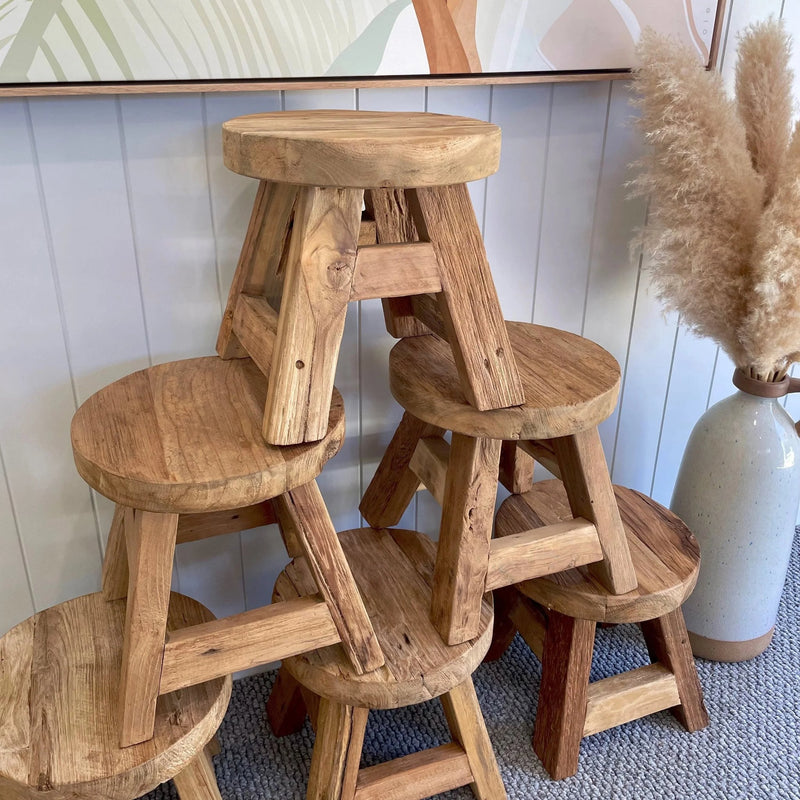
{"points": [[751, 750]]}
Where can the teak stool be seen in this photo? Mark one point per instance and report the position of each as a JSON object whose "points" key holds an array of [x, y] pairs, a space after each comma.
{"points": [[570, 385], [666, 559], [58, 741], [178, 447], [306, 256], [393, 570]]}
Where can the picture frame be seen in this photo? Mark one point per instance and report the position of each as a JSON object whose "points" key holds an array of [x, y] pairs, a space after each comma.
{"points": [[143, 46]]}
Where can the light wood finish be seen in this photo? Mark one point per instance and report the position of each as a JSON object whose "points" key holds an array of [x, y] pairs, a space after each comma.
{"points": [[665, 555], [255, 325], [332, 576], [187, 438], [542, 551], [583, 470], [468, 301], [58, 676], [337, 751], [668, 643], [395, 483], [394, 224], [193, 527], [631, 695], [465, 720], [429, 463], [259, 263], [361, 149], [462, 557], [198, 781], [115, 563], [570, 384], [245, 640], [320, 261], [416, 776], [387, 566], [394, 570], [268, 84], [390, 270], [666, 559], [516, 468], [150, 542]]}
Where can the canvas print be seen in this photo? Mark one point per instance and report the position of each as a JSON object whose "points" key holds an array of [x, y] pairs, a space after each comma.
{"points": [[47, 41]]}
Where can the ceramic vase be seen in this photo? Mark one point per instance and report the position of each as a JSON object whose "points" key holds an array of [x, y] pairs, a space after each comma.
{"points": [[738, 490]]}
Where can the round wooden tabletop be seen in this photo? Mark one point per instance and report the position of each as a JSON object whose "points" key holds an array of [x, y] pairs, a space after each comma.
{"points": [[664, 552], [570, 384], [393, 570], [186, 437], [361, 149], [59, 680]]}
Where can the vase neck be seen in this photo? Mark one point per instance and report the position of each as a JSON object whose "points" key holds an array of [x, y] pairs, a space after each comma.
{"points": [[769, 389]]}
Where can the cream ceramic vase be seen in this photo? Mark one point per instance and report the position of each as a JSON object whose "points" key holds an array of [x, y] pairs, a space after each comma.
{"points": [[738, 491]]}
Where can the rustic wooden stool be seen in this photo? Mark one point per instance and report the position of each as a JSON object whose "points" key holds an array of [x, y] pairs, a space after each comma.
{"points": [[666, 558], [58, 673], [393, 570], [570, 385], [178, 447], [306, 255]]}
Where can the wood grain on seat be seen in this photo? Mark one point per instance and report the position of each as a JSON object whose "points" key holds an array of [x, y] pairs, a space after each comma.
{"points": [[361, 149], [186, 437]]}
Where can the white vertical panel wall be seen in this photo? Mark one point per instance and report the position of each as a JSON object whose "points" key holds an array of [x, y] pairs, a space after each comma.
{"points": [[119, 231]]}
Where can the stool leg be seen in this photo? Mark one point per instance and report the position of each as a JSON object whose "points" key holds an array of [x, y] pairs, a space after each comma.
{"points": [[462, 556], [115, 563], [470, 309], [337, 751], [504, 629], [560, 717], [516, 468], [668, 642], [258, 267], [286, 710], [309, 518], [467, 727], [319, 271], [198, 781], [151, 546], [394, 225], [394, 484], [585, 475]]}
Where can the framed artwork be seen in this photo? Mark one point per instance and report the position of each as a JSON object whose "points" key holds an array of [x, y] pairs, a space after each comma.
{"points": [[67, 46]]}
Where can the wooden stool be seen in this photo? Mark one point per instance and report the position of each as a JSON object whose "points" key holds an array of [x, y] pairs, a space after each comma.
{"points": [[306, 255], [570, 385], [667, 559], [393, 570], [58, 675], [178, 447]]}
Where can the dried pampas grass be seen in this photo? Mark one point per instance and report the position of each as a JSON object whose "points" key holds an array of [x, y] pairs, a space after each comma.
{"points": [[723, 176]]}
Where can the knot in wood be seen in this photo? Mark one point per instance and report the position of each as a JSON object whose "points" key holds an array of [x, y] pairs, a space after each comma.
{"points": [[340, 274]]}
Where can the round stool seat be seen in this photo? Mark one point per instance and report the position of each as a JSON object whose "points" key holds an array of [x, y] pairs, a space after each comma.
{"points": [[185, 437], [665, 555], [59, 674], [361, 149], [393, 570], [570, 384]]}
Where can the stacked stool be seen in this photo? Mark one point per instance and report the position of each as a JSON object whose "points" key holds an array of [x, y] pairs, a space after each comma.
{"points": [[308, 252], [350, 206], [611, 555]]}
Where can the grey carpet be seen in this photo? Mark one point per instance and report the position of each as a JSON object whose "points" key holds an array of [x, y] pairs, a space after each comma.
{"points": [[750, 750]]}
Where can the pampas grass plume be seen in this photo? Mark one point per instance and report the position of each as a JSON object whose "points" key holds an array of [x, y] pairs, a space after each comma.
{"points": [[723, 177]]}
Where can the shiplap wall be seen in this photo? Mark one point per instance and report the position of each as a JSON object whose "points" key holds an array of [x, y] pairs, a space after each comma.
{"points": [[119, 231]]}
